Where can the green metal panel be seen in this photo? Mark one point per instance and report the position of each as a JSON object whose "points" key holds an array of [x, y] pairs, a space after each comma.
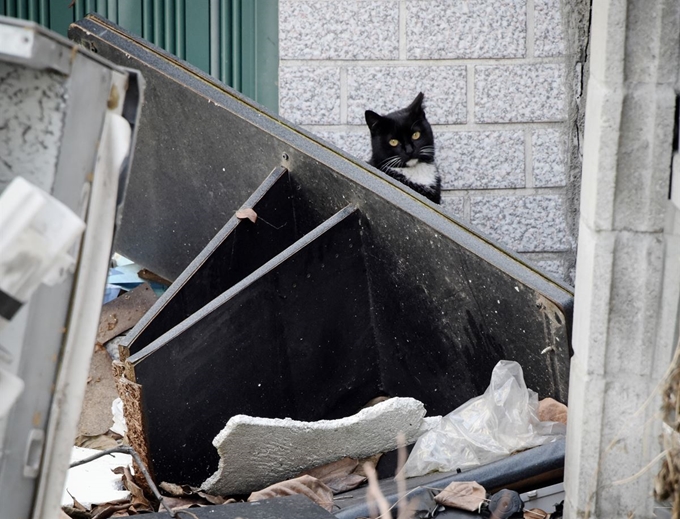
{"points": [[235, 41], [130, 15], [197, 20], [60, 16], [266, 53]]}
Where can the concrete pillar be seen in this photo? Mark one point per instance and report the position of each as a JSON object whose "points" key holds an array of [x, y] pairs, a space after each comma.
{"points": [[625, 281]]}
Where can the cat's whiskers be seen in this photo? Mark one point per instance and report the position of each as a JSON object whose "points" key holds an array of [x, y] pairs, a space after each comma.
{"points": [[390, 163]]}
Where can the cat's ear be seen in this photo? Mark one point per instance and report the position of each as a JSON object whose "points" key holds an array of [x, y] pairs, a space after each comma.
{"points": [[416, 107], [372, 119]]}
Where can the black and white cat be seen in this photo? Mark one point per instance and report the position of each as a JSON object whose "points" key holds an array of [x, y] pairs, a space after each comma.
{"points": [[403, 147]]}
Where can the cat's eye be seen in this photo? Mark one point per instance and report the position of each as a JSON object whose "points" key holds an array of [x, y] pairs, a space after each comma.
{"points": [[415, 136], [394, 142]]}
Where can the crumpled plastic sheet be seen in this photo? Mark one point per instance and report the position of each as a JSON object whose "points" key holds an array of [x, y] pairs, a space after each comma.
{"points": [[486, 428]]}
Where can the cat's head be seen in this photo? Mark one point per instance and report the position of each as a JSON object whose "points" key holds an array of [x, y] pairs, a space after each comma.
{"points": [[402, 138]]}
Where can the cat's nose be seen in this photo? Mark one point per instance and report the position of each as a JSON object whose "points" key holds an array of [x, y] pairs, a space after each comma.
{"points": [[409, 149]]}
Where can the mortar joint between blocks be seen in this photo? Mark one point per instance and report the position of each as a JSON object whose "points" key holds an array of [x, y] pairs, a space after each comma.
{"points": [[343, 95], [531, 32], [528, 158], [470, 85], [402, 30], [467, 207]]}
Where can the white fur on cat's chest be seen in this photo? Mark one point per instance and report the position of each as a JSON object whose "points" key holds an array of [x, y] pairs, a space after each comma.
{"points": [[422, 173]]}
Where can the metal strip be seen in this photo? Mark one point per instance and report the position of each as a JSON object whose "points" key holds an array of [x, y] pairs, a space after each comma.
{"points": [[225, 42], [33, 10], [112, 10], [180, 22], [158, 8], [147, 20], [214, 38], [236, 44], [169, 26]]}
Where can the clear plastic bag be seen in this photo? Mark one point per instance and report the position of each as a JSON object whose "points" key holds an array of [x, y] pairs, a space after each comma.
{"points": [[486, 428]]}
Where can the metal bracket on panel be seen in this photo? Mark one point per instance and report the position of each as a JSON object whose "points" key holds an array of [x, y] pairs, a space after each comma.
{"points": [[33, 455]]}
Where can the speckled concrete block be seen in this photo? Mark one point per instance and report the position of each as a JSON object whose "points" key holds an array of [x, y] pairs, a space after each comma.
{"points": [[442, 29], [310, 95], [32, 107], [550, 158], [523, 223], [555, 268], [257, 452], [548, 30], [385, 89], [481, 160], [357, 144], [351, 29], [520, 93], [454, 205]]}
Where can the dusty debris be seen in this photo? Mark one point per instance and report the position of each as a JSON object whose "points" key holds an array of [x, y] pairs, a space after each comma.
{"points": [[305, 485], [246, 212], [550, 410], [122, 313], [256, 452], [95, 416], [344, 474], [466, 495]]}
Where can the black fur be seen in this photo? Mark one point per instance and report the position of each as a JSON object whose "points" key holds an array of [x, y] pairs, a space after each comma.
{"points": [[401, 125]]}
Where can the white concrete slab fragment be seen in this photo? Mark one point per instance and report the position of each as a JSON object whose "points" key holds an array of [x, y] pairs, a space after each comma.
{"points": [[95, 483], [257, 452]]}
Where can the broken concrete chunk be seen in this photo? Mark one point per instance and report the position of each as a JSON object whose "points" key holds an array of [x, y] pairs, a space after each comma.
{"points": [[257, 452]]}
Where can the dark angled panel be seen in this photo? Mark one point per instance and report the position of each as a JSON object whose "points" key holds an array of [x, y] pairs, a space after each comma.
{"points": [[294, 339], [237, 250]]}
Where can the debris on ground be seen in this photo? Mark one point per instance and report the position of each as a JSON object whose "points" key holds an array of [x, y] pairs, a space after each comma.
{"points": [[506, 504], [466, 495], [306, 485], [123, 312], [96, 482], [344, 474], [550, 410], [95, 416], [486, 428]]}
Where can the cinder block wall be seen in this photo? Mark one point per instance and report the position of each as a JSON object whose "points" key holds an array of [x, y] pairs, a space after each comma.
{"points": [[495, 81]]}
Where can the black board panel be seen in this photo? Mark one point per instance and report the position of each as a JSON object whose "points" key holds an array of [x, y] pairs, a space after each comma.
{"points": [[239, 248], [293, 339], [446, 301]]}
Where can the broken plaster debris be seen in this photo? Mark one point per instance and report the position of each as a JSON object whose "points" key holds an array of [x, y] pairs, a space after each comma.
{"points": [[95, 482], [257, 452]]}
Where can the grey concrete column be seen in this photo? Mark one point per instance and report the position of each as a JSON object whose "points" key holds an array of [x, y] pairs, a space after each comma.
{"points": [[624, 280]]}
